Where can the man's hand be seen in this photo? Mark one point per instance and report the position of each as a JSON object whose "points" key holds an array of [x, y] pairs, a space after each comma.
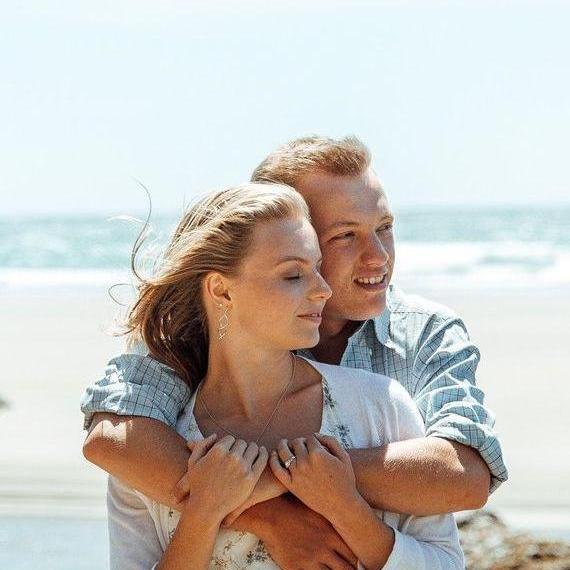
{"points": [[296, 537]]}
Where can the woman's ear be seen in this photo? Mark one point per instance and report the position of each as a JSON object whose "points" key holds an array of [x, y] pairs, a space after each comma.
{"points": [[215, 287]]}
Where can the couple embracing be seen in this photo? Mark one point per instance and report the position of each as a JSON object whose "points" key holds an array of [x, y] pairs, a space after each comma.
{"points": [[291, 407]]}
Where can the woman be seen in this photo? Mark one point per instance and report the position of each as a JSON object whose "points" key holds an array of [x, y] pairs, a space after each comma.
{"points": [[237, 291]]}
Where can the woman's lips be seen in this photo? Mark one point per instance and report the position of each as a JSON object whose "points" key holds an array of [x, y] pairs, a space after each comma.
{"points": [[314, 318]]}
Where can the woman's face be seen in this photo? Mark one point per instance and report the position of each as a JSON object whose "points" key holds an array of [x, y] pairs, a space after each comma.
{"points": [[278, 295]]}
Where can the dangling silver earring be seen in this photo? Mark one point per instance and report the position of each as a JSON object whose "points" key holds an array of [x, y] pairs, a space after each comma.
{"points": [[223, 322]]}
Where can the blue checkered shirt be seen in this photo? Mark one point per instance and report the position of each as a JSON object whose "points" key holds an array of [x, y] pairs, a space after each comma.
{"points": [[423, 345]]}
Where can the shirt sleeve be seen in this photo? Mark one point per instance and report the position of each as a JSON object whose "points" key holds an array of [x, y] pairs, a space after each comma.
{"points": [[136, 385], [133, 539], [446, 394]]}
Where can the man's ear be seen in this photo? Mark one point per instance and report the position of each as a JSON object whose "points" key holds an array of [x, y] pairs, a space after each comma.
{"points": [[215, 288]]}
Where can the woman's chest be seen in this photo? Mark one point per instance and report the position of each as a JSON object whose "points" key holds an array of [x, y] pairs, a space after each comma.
{"points": [[296, 417]]}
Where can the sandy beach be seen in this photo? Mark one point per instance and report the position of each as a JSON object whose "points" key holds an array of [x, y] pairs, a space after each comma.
{"points": [[54, 343]]}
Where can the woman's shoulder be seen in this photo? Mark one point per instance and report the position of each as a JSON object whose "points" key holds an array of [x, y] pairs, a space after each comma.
{"points": [[376, 386], [380, 398]]}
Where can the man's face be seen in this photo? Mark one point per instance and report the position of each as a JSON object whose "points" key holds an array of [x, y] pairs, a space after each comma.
{"points": [[354, 224]]}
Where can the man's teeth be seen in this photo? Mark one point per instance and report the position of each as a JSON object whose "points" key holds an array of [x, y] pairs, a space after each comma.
{"points": [[371, 280]]}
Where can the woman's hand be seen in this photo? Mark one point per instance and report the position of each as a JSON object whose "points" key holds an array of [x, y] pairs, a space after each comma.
{"points": [[268, 487], [221, 475], [321, 476]]}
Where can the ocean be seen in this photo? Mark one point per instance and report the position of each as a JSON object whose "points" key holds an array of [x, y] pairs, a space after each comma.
{"points": [[487, 248]]}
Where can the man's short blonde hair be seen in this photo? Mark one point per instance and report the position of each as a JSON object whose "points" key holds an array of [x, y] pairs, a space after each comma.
{"points": [[348, 156]]}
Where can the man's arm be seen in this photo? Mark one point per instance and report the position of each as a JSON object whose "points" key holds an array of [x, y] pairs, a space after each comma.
{"points": [[422, 476], [145, 453], [460, 461]]}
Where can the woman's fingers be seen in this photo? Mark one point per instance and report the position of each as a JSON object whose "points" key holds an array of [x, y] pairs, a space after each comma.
{"points": [[299, 448], [260, 463], [333, 445], [282, 474], [284, 451], [200, 448], [238, 447], [226, 442], [251, 452], [181, 489]]}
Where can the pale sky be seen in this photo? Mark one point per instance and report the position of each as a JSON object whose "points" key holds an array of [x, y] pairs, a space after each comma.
{"points": [[461, 103]]}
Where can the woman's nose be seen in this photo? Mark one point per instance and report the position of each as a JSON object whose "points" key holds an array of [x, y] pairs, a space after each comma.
{"points": [[323, 289]]}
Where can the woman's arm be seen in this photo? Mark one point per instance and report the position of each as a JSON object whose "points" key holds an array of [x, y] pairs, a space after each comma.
{"points": [[223, 475], [193, 540], [423, 543], [323, 479]]}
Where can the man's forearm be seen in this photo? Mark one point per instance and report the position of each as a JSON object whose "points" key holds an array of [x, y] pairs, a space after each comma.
{"points": [[144, 453], [422, 477]]}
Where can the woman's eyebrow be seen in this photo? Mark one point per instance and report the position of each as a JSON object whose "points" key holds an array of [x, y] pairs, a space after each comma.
{"points": [[343, 223], [297, 258]]}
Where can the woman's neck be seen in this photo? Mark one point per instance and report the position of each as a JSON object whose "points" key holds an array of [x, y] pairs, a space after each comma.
{"points": [[245, 383]]}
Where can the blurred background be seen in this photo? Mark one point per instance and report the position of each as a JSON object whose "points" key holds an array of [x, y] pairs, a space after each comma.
{"points": [[465, 107]]}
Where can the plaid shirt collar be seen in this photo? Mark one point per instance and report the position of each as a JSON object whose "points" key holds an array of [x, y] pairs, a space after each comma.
{"points": [[379, 327], [368, 334]]}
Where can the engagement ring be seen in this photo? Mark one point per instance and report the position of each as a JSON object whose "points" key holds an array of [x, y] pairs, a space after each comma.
{"points": [[289, 461]]}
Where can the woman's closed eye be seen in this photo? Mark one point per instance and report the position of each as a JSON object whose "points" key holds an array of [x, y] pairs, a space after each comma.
{"points": [[344, 235]]}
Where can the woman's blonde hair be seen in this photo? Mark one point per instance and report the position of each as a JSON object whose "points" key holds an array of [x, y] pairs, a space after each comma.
{"points": [[215, 234]]}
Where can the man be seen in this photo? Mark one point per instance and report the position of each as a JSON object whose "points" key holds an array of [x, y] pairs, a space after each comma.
{"points": [[368, 324]]}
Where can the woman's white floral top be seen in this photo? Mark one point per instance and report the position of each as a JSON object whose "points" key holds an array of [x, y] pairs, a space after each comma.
{"points": [[361, 409]]}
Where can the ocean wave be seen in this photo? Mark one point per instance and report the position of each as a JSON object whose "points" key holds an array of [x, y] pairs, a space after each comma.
{"points": [[487, 265], [496, 265], [16, 278]]}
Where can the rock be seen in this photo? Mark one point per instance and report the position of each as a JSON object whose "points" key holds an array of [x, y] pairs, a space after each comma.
{"points": [[489, 545]]}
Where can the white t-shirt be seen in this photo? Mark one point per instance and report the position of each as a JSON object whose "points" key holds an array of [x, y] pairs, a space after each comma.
{"points": [[362, 410]]}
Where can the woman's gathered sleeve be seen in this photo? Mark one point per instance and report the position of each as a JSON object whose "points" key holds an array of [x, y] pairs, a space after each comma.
{"points": [[133, 538], [421, 543], [426, 543]]}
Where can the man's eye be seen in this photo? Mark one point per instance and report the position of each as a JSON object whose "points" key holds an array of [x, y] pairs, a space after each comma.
{"points": [[385, 228], [293, 277]]}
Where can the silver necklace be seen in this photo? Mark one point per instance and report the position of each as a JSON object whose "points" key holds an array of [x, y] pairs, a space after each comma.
{"points": [[211, 416]]}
